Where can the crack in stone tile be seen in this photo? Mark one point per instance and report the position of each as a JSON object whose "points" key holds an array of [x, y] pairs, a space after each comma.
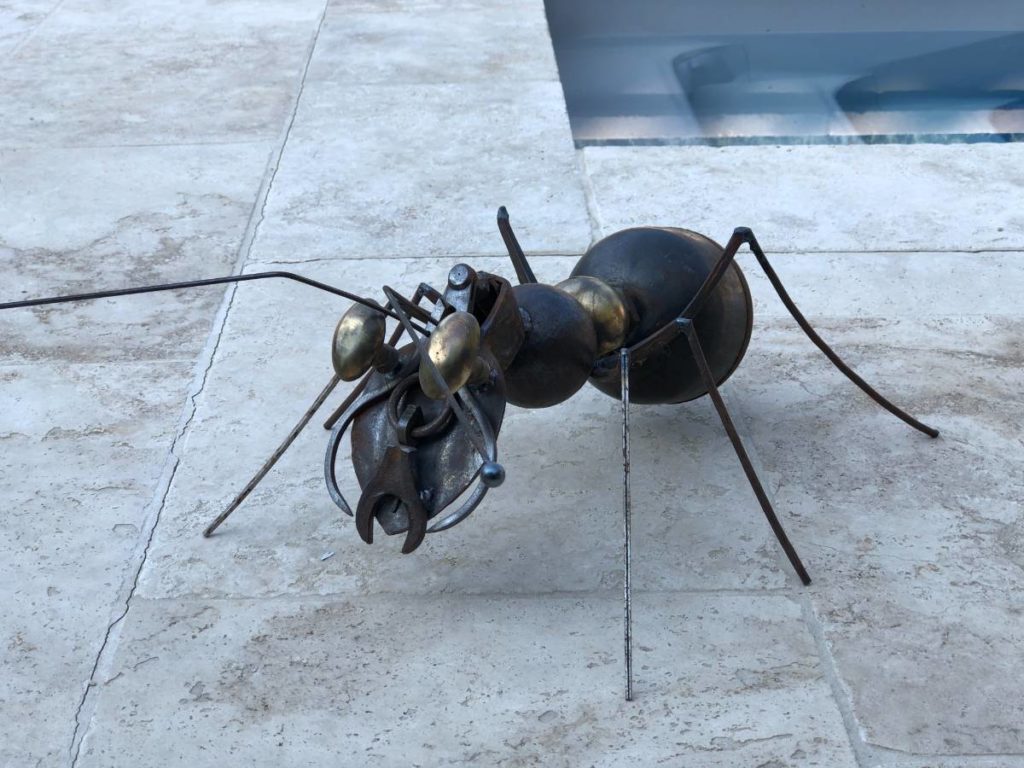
{"points": [[78, 733]]}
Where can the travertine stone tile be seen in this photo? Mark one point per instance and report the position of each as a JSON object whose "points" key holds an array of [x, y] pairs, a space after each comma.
{"points": [[81, 449], [502, 44], [419, 170], [900, 286], [895, 760], [18, 19], [914, 543], [79, 220], [156, 73], [958, 197], [721, 681]]}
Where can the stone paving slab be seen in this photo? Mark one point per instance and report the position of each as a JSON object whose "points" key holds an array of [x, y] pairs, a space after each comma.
{"points": [[927, 197], [19, 19], [997, 761], [88, 424], [898, 286], [412, 128], [554, 526], [419, 170], [81, 448], [504, 45], [915, 543], [115, 73], [119, 217], [721, 681]]}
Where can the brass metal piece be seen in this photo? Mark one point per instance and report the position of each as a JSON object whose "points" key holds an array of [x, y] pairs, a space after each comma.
{"points": [[605, 306], [358, 339], [481, 372], [453, 348]]}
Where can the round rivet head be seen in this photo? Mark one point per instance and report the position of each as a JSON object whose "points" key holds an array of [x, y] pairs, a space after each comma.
{"points": [[492, 474], [357, 340], [453, 348], [460, 276], [605, 307]]}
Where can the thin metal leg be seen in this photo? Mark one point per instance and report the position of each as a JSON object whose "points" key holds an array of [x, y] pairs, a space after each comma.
{"points": [[744, 235], [627, 512], [351, 398], [274, 457], [825, 348], [672, 329], [515, 251], [737, 444]]}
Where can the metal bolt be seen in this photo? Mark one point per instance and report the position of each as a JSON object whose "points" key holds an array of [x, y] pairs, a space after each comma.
{"points": [[460, 276]]}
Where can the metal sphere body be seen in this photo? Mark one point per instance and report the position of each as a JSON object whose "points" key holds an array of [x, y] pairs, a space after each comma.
{"points": [[558, 351], [658, 270]]}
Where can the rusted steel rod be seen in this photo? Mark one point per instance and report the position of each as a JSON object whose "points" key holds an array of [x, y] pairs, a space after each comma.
{"points": [[627, 515], [826, 349], [737, 444], [274, 457]]}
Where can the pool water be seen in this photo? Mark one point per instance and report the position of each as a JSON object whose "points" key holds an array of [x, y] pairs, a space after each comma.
{"points": [[663, 73]]}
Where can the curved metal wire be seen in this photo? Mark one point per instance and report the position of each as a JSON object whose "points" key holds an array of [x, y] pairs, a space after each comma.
{"points": [[334, 442], [480, 491], [342, 425]]}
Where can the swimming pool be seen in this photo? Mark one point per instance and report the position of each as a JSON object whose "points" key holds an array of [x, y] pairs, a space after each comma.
{"points": [[739, 71]]}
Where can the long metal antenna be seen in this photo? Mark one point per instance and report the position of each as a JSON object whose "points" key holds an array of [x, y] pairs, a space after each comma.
{"points": [[627, 511], [274, 457], [201, 283]]}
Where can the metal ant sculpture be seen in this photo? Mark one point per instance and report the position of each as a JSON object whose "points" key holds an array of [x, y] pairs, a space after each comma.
{"points": [[648, 315]]}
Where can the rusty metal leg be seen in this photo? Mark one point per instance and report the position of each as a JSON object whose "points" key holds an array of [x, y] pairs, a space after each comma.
{"points": [[351, 398], [737, 444], [274, 457], [515, 252], [825, 348], [716, 274], [627, 512]]}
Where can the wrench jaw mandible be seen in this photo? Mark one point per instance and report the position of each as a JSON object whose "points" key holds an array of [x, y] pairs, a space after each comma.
{"points": [[419, 439]]}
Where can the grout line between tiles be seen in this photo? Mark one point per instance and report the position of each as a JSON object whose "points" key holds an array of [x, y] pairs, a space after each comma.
{"points": [[802, 595], [87, 704], [596, 234], [590, 197], [603, 593], [32, 32]]}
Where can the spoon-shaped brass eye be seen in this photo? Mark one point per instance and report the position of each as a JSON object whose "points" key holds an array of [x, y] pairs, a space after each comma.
{"points": [[357, 340], [605, 307], [453, 348]]}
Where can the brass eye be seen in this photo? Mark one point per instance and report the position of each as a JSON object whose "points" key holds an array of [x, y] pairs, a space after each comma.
{"points": [[357, 340], [453, 348], [605, 307]]}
